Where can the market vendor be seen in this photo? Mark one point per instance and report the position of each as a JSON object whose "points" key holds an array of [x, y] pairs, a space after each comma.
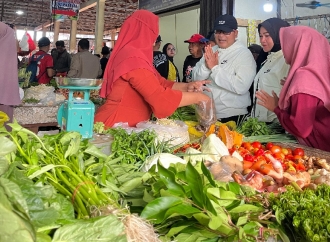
{"points": [[132, 87], [9, 91]]}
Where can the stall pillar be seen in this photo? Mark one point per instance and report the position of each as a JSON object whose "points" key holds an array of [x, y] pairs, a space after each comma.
{"points": [[44, 31], [73, 39], [99, 28], [56, 30], [113, 37]]}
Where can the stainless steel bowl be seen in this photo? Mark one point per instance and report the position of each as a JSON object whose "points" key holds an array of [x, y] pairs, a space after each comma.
{"points": [[78, 82]]}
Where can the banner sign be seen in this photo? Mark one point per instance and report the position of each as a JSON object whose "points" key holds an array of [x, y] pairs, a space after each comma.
{"points": [[162, 5], [63, 9]]}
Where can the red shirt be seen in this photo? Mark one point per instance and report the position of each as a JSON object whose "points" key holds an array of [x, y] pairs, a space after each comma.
{"points": [[45, 63], [135, 96], [308, 120]]}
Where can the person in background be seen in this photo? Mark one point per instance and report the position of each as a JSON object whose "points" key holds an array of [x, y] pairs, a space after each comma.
{"points": [[255, 50], [231, 68], [195, 48], [84, 64], [45, 69], [61, 59], [160, 60], [132, 87], [105, 57], [303, 107], [273, 68], [173, 73], [9, 91], [209, 40]]}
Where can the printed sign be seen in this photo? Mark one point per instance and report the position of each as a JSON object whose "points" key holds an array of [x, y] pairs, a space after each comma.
{"points": [[161, 5], [63, 9]]}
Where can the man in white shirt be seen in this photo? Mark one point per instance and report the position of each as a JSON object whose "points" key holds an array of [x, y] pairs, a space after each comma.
{"points": [[231, 68]]}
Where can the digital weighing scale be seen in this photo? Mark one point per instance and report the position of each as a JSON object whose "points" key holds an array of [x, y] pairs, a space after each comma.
{"points": [[77, 114]]}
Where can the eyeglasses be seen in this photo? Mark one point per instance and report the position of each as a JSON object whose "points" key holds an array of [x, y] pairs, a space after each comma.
{"points": [[222, 32], [171, 49]]}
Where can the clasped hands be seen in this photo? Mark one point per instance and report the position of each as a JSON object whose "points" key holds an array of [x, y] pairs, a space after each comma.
{"points": [[211, 59]]}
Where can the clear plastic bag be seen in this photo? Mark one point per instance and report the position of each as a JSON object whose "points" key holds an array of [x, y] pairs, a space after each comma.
{"points": [[206, 112]]}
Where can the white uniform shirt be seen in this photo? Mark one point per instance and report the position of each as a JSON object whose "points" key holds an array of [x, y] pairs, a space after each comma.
{"points": [[231, 79], [268, 79]]}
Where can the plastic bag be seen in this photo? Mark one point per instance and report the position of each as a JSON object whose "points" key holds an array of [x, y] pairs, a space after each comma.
{"points": [[206, 112], [173, 131], [44, 94]]}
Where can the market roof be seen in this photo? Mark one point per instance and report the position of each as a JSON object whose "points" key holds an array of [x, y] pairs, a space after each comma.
{"points": [[38, 12]]}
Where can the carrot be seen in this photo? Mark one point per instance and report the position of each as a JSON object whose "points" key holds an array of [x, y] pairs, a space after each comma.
{"points": [[257, 164], [247, 164], [265, 168]]}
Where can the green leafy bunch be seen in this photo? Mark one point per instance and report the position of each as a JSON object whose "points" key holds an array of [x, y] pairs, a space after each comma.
{"points": [[305, 214], [186, 204]]}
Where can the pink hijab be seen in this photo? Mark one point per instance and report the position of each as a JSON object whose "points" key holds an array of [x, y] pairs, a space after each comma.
{"points": [[9, 92], [133, 49], [308, 53]]}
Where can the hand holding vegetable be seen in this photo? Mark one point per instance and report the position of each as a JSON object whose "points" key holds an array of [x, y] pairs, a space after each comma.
{"points": [[198, 86], [266, 100]]}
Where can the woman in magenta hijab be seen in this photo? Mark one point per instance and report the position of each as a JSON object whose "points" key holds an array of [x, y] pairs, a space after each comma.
{"points": [[303, 107], [9, 90]]}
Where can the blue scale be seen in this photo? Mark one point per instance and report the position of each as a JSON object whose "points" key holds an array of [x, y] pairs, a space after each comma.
{"points": [[77, 114]]}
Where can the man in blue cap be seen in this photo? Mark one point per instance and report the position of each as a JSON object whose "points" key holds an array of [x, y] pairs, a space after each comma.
{"points": [[231, 68]]}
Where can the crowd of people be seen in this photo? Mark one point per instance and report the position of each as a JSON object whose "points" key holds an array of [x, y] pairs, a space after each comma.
{"points": [[285, 79]]}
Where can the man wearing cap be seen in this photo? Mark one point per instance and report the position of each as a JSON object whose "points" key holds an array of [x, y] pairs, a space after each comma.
{"points": [[61, 59], [195, 47], [45, 70], [231, 68], [160, 60]]}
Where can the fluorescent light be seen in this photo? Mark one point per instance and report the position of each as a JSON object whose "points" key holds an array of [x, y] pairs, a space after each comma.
{"points": [[19, 12]]}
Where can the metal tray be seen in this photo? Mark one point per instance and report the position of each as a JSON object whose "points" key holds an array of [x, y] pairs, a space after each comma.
{"points": [[78, 82]]}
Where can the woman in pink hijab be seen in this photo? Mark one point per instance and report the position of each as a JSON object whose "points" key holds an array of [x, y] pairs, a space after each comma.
{"points": [[303, 107], [9, 91]]}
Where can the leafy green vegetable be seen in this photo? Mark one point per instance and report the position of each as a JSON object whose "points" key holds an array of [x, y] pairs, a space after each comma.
{"points": [[185, 113], [306, 213], [252, 127]]}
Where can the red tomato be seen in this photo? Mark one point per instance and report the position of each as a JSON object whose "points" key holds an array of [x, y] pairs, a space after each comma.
{"points": [[269, 145], [289, 157], [259, 152], [248, 157], [289, 151], [275, 149], [298, 151], [256, 144]]}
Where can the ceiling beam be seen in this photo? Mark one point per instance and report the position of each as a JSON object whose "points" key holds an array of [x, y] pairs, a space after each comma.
{"points": [[83, 7]]}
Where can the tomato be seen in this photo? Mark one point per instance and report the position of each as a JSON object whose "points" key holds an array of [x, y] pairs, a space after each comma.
{"points": [[256, 144], [298, 151], [248, 157], [269, 145], [289, 151], [259, 152], [275, 149], [289, 157], [235, 147]]}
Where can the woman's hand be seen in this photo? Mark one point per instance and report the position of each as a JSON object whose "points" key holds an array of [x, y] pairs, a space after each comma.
{"points": [[266, 100], [197, 86], [211, 59]]}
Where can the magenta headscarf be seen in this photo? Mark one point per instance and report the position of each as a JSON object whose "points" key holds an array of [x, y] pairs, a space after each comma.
{"points": [[133, 49], [9, 92], [308, 53]]}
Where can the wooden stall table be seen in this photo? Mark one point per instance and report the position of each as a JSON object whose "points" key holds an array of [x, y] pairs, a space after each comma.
{"points": [[33, 117]]}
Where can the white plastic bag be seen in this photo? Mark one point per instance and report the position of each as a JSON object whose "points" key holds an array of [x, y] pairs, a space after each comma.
{"points": [[206, 112]]}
